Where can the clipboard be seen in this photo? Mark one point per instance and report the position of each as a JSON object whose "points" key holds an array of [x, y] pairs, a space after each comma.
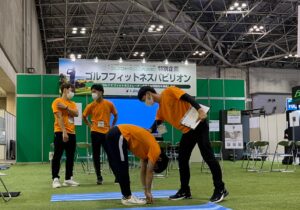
{"points": [[190, 117]]}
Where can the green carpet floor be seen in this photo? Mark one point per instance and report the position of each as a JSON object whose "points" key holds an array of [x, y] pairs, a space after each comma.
{"points": [[248, 190]]}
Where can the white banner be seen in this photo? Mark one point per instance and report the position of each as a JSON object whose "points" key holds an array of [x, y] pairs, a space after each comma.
{"points": [[125, 79]]}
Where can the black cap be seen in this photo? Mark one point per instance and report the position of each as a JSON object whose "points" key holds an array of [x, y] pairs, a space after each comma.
{"points": [[143, 90], [98, 87], [161, 163]]}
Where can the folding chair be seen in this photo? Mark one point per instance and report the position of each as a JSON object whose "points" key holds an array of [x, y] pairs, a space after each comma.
{"points": [[84, 156], [259, 153], [8, 196], [173, 155], [247, 153], [289, 155], [217, 150]]}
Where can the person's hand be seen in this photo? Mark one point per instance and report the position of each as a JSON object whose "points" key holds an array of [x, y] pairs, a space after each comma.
{"points": [[149, 197], [65, 136], [202, 114], [61, 106]]}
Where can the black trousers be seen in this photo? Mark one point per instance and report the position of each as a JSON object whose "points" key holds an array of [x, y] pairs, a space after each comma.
{"points": [[117, 153], [59, 147], [187, 143], [98, 139]]}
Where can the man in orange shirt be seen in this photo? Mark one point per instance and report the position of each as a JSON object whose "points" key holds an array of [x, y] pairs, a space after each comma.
{"points": [[173, 104], [100, 111], [64, 135], [143, 145]]}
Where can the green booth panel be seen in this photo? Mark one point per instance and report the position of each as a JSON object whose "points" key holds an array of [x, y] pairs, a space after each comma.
{"points": [[29, 130], [202, 88], [50, 84], [215, 107], [82, 134], [216, 88], [235, 104], [29, 84], [48, 127], [234, 88]]}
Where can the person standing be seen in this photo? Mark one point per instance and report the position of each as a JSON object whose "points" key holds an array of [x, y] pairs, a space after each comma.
{"points": [[143, 145], [64, 135], [173, 104], [100, 111]]}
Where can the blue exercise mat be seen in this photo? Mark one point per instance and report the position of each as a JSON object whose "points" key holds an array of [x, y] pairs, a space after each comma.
{"points": [[207, 206], [108, 196]]}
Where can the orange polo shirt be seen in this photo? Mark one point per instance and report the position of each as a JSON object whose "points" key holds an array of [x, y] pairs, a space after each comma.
{"points": [[100, 115], [172, 109], [67, 119], [140, 142]]}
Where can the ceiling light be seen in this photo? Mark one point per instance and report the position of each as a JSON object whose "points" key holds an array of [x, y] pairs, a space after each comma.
{"points": [[74, 29], [82, 32], [239, 8], [236, 4], [296, 55], [186, 62], [255, 26], [83, 29], [286, 56], [150, 29], [144, 60], [79, 56], [120, 60], [96, 60], [261, 27], [74, 32], [152, 26], [290, 55], [166, 62], [244, 5], [155, 28], [203, 52], [231, 8], [161, 26]]}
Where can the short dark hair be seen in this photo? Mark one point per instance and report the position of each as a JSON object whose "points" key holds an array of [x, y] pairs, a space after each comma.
{"points": [[161, 163], [98, 87], [143, 90], [66, 85]]}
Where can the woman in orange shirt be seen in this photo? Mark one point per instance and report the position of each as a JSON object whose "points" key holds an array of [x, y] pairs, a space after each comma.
{"points": [[64, 135], [143, 145], [173, 104]]}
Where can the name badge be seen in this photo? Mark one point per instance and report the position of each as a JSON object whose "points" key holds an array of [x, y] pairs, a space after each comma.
{"points": [[101, 124], [71, 120]]}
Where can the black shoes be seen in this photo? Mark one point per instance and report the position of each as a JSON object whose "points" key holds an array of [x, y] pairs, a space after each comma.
{"points": [[99, 180], [181, 194], [219, 195]]}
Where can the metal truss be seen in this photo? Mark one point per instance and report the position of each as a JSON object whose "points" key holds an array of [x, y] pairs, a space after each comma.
{"points": [[118, 28]]}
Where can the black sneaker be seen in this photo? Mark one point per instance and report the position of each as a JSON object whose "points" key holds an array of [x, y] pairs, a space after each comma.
{"points": [[99, 180], [181, 195], [219, 195]]}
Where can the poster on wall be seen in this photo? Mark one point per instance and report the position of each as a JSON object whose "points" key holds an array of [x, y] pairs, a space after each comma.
{"points": [[234, 136], [214, 125], [125, 79], [233, 116], [78, 120]]}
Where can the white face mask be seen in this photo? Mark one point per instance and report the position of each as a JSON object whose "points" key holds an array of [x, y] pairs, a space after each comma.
{"points": [[95, 96], [70, 95], [149, 101]]}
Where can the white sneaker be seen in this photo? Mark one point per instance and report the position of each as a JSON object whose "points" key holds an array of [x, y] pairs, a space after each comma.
{"points": [[56, 183], [70, 183], [133, 201]]}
